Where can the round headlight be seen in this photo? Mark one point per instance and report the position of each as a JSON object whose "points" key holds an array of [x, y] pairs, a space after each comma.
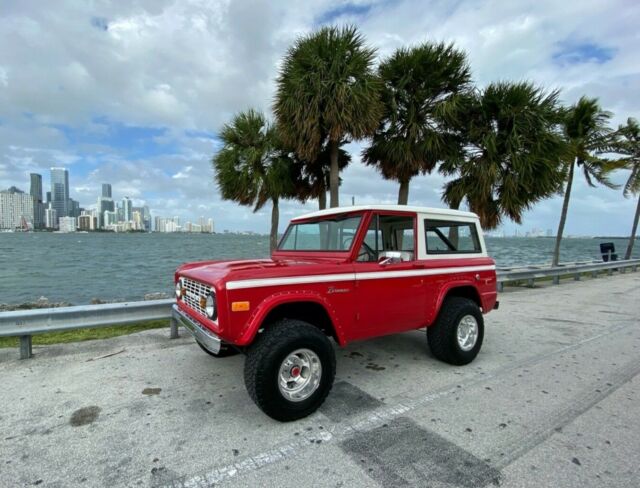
{"points": [[178, 288], [210, 307]]}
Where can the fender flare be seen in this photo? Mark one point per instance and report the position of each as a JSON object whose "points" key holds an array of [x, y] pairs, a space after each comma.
{"points": [[255, 320], [444, 290]]}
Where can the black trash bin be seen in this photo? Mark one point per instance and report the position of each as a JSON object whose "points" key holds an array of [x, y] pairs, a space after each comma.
{"points": [[608, 251]]}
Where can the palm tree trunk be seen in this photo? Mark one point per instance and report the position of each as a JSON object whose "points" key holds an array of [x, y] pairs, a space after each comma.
{"points": [[563, 216], [275, 216], [634, 229], [334, 174], [403, 192], [453, 231], [322, 199]]}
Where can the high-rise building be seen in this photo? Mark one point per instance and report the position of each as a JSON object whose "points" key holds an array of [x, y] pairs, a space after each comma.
{"points": [[67, 224], [109, 218], [48, 198], [106, 190], [84, 222], [127, 209], [38, 206], [51, 217], [105, 204], [167, 224], [146, 217], [73, 207], [60, 191], [36, 186], [16, 209]]}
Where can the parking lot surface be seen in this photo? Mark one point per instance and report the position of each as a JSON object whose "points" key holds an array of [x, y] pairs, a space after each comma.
{"points": [[553, 399]]}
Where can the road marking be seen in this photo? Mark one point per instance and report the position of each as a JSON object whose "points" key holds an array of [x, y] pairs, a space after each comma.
{"points": [[384, 414]]}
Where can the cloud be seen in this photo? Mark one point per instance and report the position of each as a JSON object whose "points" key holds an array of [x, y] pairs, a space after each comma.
{"points": [[134, 93], [183, 174]]}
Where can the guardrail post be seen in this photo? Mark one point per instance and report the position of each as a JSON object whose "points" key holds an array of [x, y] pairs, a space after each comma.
{"points": [[634, 268], [500, 287], [173, 324], [577, 277], [623, 270], [530, 283], [556, 280], [594, 274], [25, 347]]}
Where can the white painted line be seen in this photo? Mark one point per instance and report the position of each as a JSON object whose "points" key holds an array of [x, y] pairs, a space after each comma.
{"points": [[375, 419]]}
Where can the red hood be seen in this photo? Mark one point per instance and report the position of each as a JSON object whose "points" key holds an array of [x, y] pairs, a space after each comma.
{"points": [[217, 272]]}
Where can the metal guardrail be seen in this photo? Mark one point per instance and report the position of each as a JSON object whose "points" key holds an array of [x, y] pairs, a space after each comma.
{"points": [[25, 323], [529, 274]]}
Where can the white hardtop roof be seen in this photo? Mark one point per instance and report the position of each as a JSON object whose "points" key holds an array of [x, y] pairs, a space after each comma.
{"points": [[444, 212]]}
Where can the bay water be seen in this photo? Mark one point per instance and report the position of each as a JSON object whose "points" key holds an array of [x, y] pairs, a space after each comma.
{"points": [[79, 267]]}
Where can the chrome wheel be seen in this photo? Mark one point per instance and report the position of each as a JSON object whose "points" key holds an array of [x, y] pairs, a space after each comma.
{"points": [[467, 332], [299, 375]]}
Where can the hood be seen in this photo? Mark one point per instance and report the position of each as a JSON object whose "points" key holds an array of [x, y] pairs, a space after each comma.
{"points": [[217, 272]]}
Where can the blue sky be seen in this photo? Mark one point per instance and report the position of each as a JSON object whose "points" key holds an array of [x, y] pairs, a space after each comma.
{"points": [[134, 94]]}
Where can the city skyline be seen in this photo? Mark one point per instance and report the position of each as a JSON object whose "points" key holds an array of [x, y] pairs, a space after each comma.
{"points": [[27, 211]]}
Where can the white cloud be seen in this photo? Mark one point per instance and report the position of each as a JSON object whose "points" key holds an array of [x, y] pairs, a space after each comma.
{"points": [[183, 174]]}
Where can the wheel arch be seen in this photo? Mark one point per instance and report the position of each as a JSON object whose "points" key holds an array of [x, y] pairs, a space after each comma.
{"points": [[306, 306], [463, 289]]}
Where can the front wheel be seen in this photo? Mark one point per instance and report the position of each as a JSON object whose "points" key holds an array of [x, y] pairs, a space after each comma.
{"points": [[456, 336], [289, 370]]}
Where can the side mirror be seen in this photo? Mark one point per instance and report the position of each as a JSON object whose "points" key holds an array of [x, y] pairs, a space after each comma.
{"points": [[390, 257]]}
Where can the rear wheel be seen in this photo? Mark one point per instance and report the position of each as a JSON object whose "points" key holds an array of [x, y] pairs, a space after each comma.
{"points": [[456, 337], [289, 369]]}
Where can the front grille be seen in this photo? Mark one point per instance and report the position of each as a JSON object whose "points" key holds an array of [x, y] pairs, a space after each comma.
{"points": [[193, 292]]}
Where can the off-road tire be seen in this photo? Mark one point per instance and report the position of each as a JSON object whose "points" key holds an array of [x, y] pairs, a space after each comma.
{"points": [[442, 335], [225, 350], [263, 361]]}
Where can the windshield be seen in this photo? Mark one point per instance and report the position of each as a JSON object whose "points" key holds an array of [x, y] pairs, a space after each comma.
{"points": [[333, 234]]}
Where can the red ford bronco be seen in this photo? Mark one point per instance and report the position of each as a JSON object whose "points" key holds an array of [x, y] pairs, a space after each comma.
{"points": [[348, 274]]}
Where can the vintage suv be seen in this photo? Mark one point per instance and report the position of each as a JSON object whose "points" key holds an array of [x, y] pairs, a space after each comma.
{"points": [[346, 273]]}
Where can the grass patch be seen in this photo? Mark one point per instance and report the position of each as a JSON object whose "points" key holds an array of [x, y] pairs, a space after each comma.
{"points": [[85, 334]]}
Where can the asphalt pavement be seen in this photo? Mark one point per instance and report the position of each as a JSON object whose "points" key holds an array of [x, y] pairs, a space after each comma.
{"points": [[553, 399]]}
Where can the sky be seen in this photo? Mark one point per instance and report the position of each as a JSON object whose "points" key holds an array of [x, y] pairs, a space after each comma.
{"points": [[134, 93]]}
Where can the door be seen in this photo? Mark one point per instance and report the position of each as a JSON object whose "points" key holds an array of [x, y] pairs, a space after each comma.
{"points": [[390, 292]]}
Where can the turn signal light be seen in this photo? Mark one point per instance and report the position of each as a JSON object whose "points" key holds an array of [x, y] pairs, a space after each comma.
{"points": [[239, 306]]}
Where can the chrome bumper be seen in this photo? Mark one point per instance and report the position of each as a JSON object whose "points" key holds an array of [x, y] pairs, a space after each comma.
{"points": [[203, 335]]}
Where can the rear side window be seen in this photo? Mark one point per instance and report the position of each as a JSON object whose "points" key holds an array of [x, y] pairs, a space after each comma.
{"points": [[449, 237]]}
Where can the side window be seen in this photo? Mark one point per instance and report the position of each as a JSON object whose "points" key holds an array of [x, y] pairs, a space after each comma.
{"points": [[447, 237], [388, 233]]}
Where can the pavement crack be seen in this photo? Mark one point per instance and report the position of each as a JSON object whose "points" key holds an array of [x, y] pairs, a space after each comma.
{"points": [[555, 423]]}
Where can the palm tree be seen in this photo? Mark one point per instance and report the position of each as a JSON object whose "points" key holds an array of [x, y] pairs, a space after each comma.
{"points": [[419, 83], [628, 144], [508, 152], [587, 135], [328, 93], [253, 167], [314, 177]]}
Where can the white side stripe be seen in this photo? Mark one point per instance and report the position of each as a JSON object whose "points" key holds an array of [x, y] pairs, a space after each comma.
{"points": [[374, 275], [378, 275], [294, 280]]}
